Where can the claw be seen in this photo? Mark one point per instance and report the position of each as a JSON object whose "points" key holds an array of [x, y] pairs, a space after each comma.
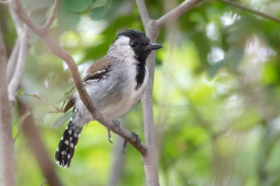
{"points": [[137, 139], [116, 122], [124, 145], [109, 135]]}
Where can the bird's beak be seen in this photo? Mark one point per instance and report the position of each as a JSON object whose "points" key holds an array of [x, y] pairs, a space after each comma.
{"points": [[153, 46]]}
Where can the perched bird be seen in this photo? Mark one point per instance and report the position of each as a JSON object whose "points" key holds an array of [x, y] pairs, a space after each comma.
{"points": [[114, 83]]}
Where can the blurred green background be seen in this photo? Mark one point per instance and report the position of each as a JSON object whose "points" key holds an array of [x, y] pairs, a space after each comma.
{"points": [[216, 93]]}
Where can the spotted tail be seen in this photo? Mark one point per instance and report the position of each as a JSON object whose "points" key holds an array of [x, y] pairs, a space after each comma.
{"points": [[66, 147]]}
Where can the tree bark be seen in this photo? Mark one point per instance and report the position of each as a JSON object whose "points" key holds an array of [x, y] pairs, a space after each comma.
{"points": [[7, 145]]}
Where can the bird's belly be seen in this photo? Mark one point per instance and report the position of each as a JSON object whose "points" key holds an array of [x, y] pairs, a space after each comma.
{"points": [[116, 109], [113, 98]]}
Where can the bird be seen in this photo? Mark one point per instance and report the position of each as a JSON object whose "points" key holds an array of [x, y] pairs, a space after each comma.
{"points": [[115, 83]]}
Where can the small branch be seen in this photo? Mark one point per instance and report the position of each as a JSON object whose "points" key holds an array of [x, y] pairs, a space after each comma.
{"points": [[52, 17], [61, 53], [143, 12], [15, 17], [37, 147], [13, 61], [262, 14], [48, 103], [25, 18], [22, 58], [27, 113], [176, 13], [44, 182], [8, 165]]}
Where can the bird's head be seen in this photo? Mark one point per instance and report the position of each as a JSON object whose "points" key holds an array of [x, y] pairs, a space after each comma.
{"points": [[133, 43]]}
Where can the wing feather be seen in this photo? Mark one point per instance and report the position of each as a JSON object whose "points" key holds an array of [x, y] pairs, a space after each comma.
{"points": [[96, 71]]}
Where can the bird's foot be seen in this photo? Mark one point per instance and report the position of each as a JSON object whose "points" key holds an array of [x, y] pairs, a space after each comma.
{"points": [[116, 122], [138, 141]]}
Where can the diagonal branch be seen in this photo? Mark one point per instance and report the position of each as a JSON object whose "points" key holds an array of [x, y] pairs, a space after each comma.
{"points": [[15, 17], [46, 102], [262, 14], [176, 13], [52, 17], [61, 53]]}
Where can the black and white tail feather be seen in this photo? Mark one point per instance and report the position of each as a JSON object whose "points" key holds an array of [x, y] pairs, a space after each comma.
{"points": [[66, 147]]}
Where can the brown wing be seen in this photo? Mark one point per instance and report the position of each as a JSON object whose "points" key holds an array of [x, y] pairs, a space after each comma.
{"points": [[96, 71]]}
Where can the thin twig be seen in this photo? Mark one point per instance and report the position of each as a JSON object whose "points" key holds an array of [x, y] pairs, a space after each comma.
{"points": [[52, 17], [262, 14], [44, 182], [176, 13], [27, 113], [48, 103]]}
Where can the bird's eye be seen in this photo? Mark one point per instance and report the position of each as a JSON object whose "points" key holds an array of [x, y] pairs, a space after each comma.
{"points": [[134, 44]]}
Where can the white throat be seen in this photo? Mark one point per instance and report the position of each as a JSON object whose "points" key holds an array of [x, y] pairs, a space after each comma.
{"points": [[121, 48]]}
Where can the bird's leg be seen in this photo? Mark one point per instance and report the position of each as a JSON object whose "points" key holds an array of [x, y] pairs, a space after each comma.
{"points": [[138, 141], [109, 135], [124, 145], [116, 122]]}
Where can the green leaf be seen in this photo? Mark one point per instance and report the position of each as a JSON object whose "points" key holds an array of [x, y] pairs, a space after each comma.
{"points": [[233, 57], [20, 91], [98, 13], [62, 120], [67, 19], [77, 5], [98, 3], [214, 69]]}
